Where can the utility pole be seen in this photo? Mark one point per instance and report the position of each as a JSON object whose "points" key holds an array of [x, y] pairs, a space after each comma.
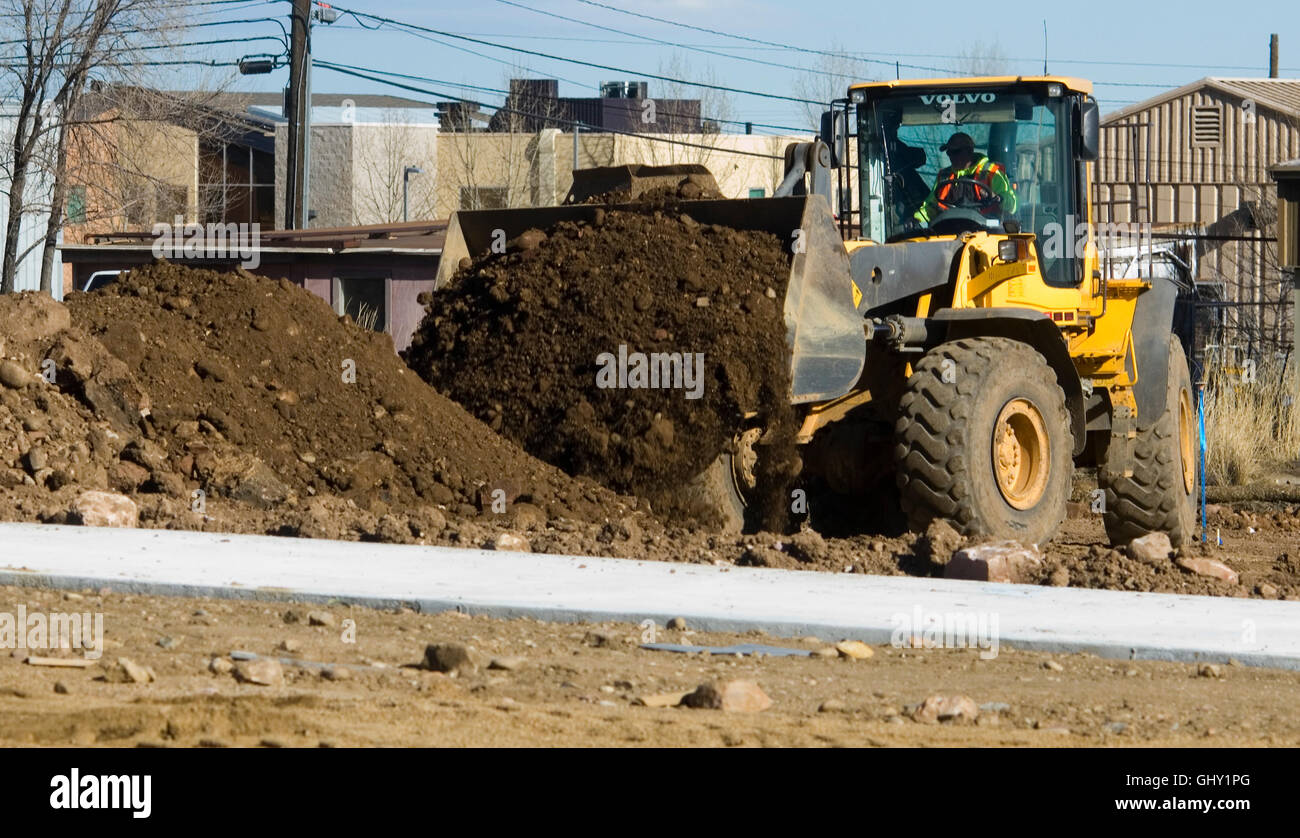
{"points": [[297, 111], [1272, 56]]}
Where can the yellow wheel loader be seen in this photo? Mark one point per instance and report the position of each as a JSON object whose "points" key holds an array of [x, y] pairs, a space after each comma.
{"points": [[964, 364]]}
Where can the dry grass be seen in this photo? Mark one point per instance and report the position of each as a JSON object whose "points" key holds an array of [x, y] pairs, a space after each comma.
{"points": [[1252, 425], [367, 316]]}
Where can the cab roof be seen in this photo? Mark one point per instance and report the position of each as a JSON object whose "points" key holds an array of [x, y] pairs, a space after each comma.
{"points": [[1070, 83]]}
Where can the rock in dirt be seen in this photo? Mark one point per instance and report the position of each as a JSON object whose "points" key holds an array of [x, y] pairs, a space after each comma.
{"points": [[321, 618], [1153, 549], [677, 624], [832, 705], [13, 375], [128, 671], [510, 541], [452, 657], [945, 708], [264, 672], [940, 541], [105, 509], [1210, 567], [854, 650], [1002, 561], [220, 666], [736, 696], [508, 663]]}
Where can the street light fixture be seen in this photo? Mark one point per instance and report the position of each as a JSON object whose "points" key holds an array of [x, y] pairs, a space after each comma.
{"points": [[406, 179]]}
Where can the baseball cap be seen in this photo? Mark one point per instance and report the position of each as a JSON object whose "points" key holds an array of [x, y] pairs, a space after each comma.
{"points": [[958, 140]]}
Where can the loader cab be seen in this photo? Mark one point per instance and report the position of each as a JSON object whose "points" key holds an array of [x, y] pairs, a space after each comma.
{"points": [[1040, 132]]}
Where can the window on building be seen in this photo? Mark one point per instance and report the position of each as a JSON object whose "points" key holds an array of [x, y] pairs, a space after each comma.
{"points": [[484, 197], [76, 208], [365, 299], [1207, 125], [236, 183], [758, 192]]}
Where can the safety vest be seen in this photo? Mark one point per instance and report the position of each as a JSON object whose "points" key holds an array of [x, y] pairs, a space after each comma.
{"points": [[984, 172]]}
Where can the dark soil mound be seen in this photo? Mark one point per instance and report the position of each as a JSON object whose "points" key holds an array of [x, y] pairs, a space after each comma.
{"points": [[326, 405], [531, 341]]}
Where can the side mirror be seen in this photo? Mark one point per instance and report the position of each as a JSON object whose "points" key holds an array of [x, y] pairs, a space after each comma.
{"points": [[1089, 130], [832, 133]]}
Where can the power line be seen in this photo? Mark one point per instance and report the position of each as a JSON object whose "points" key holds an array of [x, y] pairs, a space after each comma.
{"points": [[703, 117], [570, 122], [677, 45], [445, 34], [828, 53]]}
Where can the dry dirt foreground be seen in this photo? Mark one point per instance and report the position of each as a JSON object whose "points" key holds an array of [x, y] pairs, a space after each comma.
{"points": [[577, 684]]}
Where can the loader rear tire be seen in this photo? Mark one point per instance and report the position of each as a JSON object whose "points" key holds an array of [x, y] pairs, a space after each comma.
{"points": [[1149, 474], [983, 441]]}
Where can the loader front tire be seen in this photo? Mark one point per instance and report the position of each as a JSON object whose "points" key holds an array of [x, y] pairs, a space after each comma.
{"points": [[1149, 474], [983, 440], [720, 493]]}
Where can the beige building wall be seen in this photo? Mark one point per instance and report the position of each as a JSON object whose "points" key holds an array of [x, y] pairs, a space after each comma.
{"points": [[481, 170], [134, 173], [380, 155], [356, 172]]}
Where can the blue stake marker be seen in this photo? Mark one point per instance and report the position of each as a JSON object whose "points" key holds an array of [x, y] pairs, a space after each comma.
{"points": [[1200, 411]]}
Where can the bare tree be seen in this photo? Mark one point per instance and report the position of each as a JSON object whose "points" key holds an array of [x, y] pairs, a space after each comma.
{"points": [[717, 113], [496, 168], [833, 70], [982, 59], [382, 161], [61, 42]]}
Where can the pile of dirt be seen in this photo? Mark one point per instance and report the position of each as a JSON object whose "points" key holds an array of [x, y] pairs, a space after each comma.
{"points": [[235, 402], [565, 343]]}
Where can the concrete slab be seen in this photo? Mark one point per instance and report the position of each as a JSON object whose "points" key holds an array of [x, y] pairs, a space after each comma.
{"points": [[874, 609]]}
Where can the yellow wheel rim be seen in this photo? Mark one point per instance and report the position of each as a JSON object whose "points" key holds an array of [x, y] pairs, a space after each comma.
{"points": [[1021, 453], [1186, 440]]}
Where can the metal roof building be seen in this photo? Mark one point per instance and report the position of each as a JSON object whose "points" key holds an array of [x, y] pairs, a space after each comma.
{"points": [[1193, 163]]}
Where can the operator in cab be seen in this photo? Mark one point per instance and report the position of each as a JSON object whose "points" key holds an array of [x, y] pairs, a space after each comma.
{"points": [[972, 181]]}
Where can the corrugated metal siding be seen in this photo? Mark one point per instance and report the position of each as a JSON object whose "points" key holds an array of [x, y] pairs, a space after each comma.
{"points": [[1151, 171], [38, 189]]}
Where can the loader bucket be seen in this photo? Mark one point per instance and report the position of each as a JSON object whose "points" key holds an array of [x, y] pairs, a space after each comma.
{"points": [[635, 180], [823, 330]]}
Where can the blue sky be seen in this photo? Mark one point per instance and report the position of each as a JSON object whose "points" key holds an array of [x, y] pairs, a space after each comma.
{"points": [[1210, 39]]}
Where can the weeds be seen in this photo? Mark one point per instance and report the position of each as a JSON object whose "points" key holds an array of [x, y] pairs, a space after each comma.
{"points": [[1252, 425]]}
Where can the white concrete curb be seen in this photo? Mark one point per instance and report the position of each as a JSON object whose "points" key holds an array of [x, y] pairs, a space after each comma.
{"points": [[567, 588]]}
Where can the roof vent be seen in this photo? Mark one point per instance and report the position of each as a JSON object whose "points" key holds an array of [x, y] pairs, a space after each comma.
{"points": [[1207, 125]]}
